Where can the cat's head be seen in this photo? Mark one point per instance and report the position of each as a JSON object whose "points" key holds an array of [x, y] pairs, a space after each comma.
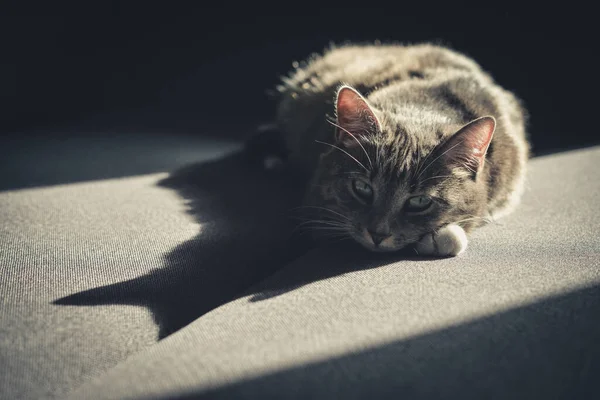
{"points": [[387, 185]]}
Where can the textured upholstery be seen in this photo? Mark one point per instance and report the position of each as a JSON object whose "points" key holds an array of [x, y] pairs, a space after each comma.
{"points": [[93, 273]]}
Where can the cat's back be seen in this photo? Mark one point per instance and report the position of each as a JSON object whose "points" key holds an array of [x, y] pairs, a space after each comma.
{"points": [[366, 67], [308, 92], [306, 95]]}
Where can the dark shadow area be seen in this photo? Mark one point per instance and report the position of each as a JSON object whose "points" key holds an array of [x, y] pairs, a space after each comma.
{"points": [[546, 350], [247, 233], [335, 258], [243, 238]]}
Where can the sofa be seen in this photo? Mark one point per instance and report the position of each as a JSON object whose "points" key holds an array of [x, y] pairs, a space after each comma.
{"points": [[159, 266]]}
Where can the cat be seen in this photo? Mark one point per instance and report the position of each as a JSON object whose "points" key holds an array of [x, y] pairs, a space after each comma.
{"points": [[404, 146]]}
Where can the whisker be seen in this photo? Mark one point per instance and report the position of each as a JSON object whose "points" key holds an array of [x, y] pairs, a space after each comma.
{"points": [[437, 176], [338, 239], [317, 223], [435, 159], [324, 209], [357, 141], [424, 160], [312, 224], [324, 233], [332, 234], [467, 166], [330, 231], [343, 151], [472, 218], [306, 226], [323, 222]]}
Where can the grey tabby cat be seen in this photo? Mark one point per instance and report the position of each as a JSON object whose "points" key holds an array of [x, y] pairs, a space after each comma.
{"points": [[423, 145]]}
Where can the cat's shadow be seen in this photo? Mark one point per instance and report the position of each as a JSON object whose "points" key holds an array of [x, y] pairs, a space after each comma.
{"points": [[245, 236]]}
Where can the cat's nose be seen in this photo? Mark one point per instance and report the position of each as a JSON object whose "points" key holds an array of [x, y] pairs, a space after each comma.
{"points": [[378, 237]]}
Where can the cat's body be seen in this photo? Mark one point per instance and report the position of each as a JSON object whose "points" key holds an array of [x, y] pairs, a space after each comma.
{"points": [[405, 145]]}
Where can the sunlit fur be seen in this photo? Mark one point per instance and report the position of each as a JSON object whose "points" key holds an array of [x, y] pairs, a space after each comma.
{"points": [[421, 95]]}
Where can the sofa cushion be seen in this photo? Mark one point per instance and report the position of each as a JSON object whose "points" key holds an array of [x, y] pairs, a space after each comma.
{"points": [[107, 255], [516, 316]]}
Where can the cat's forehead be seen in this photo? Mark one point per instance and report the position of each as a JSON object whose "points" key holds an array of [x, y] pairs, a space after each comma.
{"points": [[404, 142], [399, 156]]}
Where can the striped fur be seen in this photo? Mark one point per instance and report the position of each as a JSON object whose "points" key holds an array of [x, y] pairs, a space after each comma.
{"points": [[421, 96]]}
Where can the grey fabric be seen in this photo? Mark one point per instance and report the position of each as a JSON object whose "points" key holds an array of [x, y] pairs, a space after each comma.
{"points": [[78, 154], [516, 316], [135, 248], [93, 271]]}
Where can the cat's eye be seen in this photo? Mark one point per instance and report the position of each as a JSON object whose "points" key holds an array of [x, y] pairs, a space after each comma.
{"points": [[418, 203], [362, 190]]}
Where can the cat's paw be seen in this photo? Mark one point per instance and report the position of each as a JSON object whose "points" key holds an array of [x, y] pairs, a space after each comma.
{"points": [[449, 241]]}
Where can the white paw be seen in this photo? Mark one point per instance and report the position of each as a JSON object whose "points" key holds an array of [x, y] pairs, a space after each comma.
{"points": [[449, 241]]}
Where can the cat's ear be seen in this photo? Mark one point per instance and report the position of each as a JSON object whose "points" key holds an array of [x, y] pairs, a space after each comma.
{"points": [[355, 118], [467, 147]]}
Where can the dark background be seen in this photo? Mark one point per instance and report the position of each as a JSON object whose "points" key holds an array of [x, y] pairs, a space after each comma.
{"points": [[183, 69]]}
